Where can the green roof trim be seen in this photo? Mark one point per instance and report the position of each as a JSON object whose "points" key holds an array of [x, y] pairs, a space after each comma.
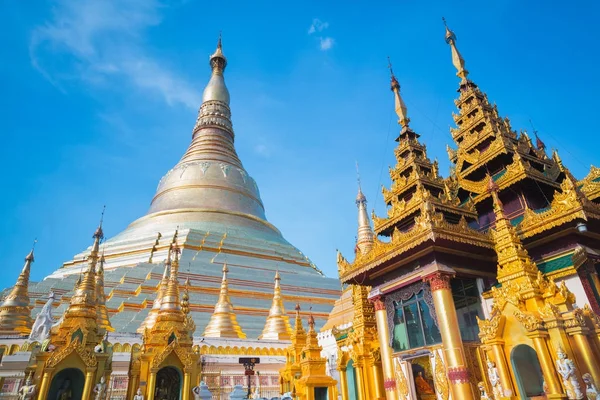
{"points": [[498, 175], [556, 265]]}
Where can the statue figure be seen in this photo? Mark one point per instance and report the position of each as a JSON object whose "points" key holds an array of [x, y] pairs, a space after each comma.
{"points": [[138, 395], [27, 391], [162, 393], [422, 386], [238, 393], [100, 389], [201, 392], [40, 330], [590, 388], [287, 396], [566, 369], [482, 393], [64, 393], [497, 391]]}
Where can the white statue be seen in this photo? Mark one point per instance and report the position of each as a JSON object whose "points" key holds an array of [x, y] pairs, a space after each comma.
{"points": [[201, 392], [138, 395], [40, 330], [590, 388], [566, 369], [238, 393], [497, 391], [100, 390], [287, 396], [27, 391]]}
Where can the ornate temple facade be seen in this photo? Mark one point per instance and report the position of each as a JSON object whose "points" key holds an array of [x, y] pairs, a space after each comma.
{"points": [[483, 284], [178, 297]]}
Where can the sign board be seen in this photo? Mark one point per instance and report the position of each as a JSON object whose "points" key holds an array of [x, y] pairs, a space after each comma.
{"points": [[249, 360]]}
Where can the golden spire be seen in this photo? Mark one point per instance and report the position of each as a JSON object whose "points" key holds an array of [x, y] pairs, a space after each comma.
{"points": [[216, 89], [365, 237], [223, 322], [170, 303], [457, 60], [185, 300], [513, 259], [103, 320], [401, 110], [278, 325], [15, 314], [299, 331], [150, 319]]}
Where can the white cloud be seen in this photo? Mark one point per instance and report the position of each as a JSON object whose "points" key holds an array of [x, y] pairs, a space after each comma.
{"points": [[104, 39], [317, 26], [326, 43]]}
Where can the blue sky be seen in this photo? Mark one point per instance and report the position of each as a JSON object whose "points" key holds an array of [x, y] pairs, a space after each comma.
{"points": [[100, 96]]}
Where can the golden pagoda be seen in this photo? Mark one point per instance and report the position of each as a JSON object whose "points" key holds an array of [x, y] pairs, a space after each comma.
{"points": [[77, 356], [223, 322], [292, 371], [15, 312], [278, 325], [314, 383], [167, 360], [103, 320]]}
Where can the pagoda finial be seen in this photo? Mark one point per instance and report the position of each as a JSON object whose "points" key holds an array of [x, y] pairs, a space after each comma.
{"points": [[15, 315], [102, 312], [216, 89], [401, 110], [457, 60], [365, 237], [494, 189], [538, 142], [170, 302], [278, 325], [150, 319], [223, 322]]}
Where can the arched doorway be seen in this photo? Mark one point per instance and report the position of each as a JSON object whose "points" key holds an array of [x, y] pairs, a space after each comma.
{"points": [[528, 372], [168, 384], [351, 377], [67, 384]]}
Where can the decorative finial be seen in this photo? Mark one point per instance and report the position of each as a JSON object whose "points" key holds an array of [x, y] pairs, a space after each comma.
{"points": [[493, 188], [401, 110], [99, 234], [297, 308], [360, 197], [538, 142], [311, 320], [225, 270], [457, 60], [30, 256]]}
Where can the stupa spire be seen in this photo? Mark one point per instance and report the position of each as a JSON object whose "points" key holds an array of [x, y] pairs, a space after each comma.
{"points": [[278, 325], [401, 110], [223, 322], [171, 303], [103, 320], [457, 60], [15, 313], [365, 237], [150, 319]]}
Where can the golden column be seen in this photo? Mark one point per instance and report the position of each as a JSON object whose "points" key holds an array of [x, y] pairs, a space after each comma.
{"points": [[89, 382], [368, 363], [389, 382], [186, 386], [45, 385], [377, 374], [541, 348], [585, 352], [343, 382], [360, 379], [151, 384], [454, 353], [501, 365]]}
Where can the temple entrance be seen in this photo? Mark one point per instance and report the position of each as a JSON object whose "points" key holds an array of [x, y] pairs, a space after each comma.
{"points": [[67, 385], [351, 376], [528, 372], [168, 384], [423, 378]]}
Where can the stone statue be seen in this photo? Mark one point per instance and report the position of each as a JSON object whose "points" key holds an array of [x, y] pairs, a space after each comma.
{"points": [[482, 393], [27, 391], [590, 388], [567, 371], [422, 386], [497, 391], [287, 396], [201, 392], [138, 395], [64, 393], [40, 330], [162, 393], [100, 389]]}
